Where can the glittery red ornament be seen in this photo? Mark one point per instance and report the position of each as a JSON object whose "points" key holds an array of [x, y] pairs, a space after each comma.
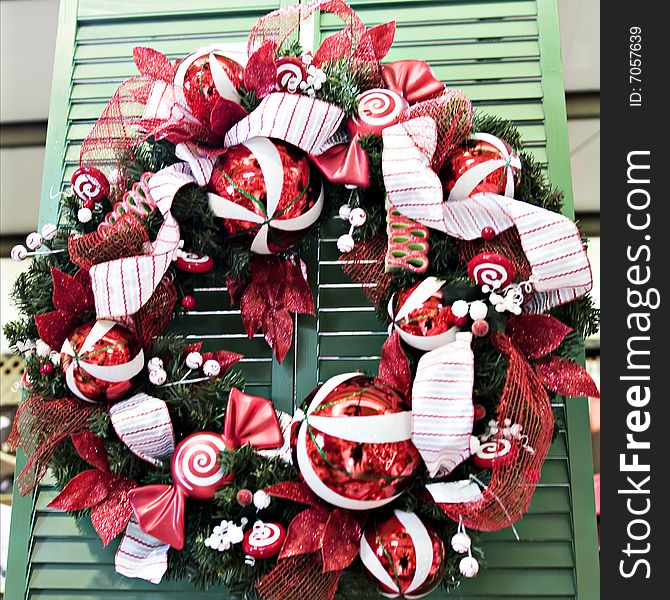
{"points": [[480, 328], [197, 82], [88, 203], [338, 452], [403, 555], [282, 171], [88, 355], [264, 540], [473, 155], [244, 497], [46, 369], [188, 302]]}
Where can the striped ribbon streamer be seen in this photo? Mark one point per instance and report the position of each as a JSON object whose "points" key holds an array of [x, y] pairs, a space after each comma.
{"points": [[442, 409], [302, 121], [122, 286], [143, 423], [552, 243]]}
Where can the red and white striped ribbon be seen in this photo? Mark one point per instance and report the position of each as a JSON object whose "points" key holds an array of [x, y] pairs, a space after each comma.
{"points": [[143, 423], [302, 121], [122, 286], [423, 551], [140, 555], [442, 409]]}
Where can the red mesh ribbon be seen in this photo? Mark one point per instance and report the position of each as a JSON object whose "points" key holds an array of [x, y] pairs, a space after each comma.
{"points": [[152, 319], [98, 489], [508, 494], [299, 578], [365, 265], [278, 287], [40, 425]]}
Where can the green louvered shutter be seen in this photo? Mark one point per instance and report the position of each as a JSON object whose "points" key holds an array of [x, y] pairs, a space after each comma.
{"points": [[505, 56]]}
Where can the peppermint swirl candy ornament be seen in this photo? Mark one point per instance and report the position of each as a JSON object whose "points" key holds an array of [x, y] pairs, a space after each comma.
{"points": [[491, 270], [264, 540], [89, 183], [377, 110], [499, 452], [195, 465], [290, 74]]}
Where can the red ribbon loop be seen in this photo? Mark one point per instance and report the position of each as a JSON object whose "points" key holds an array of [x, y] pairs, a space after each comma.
{"points": [[412, 79]]}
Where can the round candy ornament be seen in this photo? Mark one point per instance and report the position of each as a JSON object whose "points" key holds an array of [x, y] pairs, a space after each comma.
{"points": [[377, 110], [403, 555], [205, 76], [491, 270], [354, 449], [500, 452], [89, 183], [422, 317], [195, 465], [192, 262], [484, 164], [267, 192], [291, 72], [264, 540], [99, 361]]}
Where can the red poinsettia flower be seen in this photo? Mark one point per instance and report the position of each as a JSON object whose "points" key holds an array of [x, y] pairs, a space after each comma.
{"points": [[98, 489], [538, 335]]}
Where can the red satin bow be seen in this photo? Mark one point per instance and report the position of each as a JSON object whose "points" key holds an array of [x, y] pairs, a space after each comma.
{"points": [[348, 163], [98, 489], [538, 335], [334, 532], [160, 508], [71, 297]]}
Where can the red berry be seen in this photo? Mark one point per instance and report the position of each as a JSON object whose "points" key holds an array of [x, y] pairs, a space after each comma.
{"points": [[461, 321], [480, 328], [244, 497], [488, 233], [88, 203], [188, 302], [46, 368], [480, 412]]}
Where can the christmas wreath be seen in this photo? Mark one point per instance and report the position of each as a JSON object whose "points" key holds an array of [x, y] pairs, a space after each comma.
{"points": [[218, 169]]}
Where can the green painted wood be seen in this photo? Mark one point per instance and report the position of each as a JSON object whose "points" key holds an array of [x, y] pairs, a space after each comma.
{"points": [[504, 55]]}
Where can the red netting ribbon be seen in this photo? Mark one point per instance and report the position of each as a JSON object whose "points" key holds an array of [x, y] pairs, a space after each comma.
{"points": [[299, 577]]}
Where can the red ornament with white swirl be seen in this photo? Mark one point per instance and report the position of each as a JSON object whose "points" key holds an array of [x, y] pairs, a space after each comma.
{"points": [[99, 361], [89, 183], [354, 449], [290, 74], [403, 555], [196, 468], [498, 452], [264, 540], [491, 270], [377, 110]]}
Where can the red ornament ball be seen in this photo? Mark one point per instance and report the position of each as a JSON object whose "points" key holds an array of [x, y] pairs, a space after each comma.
{"points": [[403, 555], [195, 465], [467, 174], [488, 233], [264, 540], [188, 302], [480, 412], [480, 328], [46, 368], [244, 497], [88, 203], [277, 192], [204, 77], [461, 321], [99, 361], [346, 456]]}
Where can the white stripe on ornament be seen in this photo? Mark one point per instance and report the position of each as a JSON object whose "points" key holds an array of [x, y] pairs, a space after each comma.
{"points": [[374, 429], [115, 373], [377, 570], [423, 547], [222, 82]]}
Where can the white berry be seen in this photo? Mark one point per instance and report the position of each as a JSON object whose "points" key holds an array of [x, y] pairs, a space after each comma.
{"points": [[235, 534], [261, 500], [49, 231], [345, 243], [469, 567], [34, 240], [459, 308], [54, 357], [461, 543], [43, 349], [84, 215], [357, 217], [19, 252], [474, 444], [157, 377], [155, 364], [194, 360], [478, 310], [211, 368], [345, 211]]}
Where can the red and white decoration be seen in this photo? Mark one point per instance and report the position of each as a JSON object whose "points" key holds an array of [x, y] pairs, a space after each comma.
{"points": [[89, 183], [264, 540], [291, 72], [442, 409], [491, 270], [377, 110]]}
